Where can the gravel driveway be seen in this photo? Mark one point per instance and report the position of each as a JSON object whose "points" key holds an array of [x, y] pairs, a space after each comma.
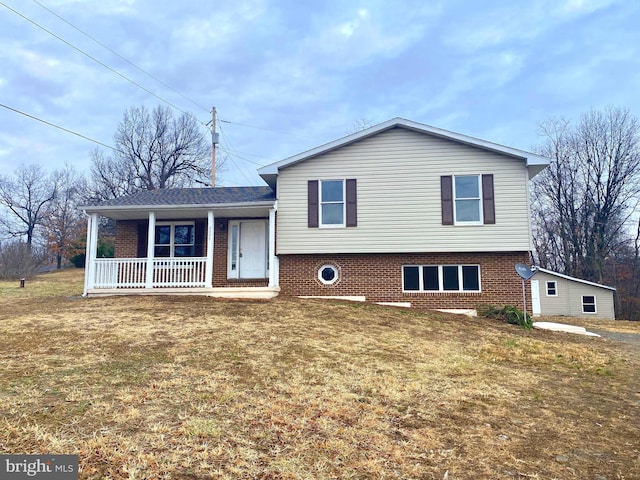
{"points": [[630, 339]]}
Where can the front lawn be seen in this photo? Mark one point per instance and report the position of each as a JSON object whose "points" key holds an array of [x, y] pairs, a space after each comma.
{"points": [[194, 387]]}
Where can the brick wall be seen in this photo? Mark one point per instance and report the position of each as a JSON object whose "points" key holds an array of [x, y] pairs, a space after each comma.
{"points": [[379, 277], [126, 244]]}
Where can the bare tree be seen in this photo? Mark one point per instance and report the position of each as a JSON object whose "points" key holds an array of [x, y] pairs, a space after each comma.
{"points": [[64, 222], [583, 200], [26, 196], [153, 150], [358, 125], [19, 260]]}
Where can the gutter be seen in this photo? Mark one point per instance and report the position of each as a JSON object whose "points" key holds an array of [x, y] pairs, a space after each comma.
{"points": [[133, 208]]}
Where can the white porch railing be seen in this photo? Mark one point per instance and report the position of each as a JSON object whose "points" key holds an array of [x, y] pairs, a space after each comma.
{"points": [[167, 272]]}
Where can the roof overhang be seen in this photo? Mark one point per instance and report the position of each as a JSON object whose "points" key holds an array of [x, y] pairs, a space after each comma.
{"points": [[534, 163], [567, 277], [138, 212]]}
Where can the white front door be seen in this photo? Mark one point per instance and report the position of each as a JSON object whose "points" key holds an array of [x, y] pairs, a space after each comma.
{"points": [[252, 254], [535, 297]]}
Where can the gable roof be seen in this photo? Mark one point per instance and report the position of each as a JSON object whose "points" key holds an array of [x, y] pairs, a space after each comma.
{"points": [[535, 163], [567, 277]]}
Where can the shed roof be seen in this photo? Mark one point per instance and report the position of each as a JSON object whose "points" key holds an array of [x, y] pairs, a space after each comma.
{"points": [[567, 277]]}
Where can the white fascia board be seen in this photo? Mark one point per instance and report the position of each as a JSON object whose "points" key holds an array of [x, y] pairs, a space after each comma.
{"points": [[531, 159], [567, 277], [146, 208]]}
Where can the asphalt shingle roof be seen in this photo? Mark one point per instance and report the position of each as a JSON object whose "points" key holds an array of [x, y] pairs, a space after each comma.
{"points": [[193, 196]]}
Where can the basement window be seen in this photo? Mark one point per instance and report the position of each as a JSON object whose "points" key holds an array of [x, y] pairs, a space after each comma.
{"points": [[328, 274], [441, 278]]}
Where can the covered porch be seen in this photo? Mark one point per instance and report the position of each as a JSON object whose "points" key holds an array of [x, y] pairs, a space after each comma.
{"points": [[222, 248]]}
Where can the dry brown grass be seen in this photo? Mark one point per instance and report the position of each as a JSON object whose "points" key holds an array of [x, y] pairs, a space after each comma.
{"points": [[159, 387], [622, 326]]}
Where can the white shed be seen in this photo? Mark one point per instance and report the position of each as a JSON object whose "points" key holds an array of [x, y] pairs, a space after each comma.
{"points": [[554, 293]]}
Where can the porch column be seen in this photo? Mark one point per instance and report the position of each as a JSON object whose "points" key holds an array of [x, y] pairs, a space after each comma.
{"points": [[151, 243], [273, 269], [91, 253], [210, 236]]}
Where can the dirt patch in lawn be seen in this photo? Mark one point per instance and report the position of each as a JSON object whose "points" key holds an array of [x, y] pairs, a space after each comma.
{"points": [[175, 387]]}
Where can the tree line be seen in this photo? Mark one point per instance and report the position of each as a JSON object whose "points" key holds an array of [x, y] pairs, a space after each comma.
{"points": [[40, 219], [584, 205]]}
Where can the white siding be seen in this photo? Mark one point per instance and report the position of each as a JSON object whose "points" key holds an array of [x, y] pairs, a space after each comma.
{"points": [[604, 301], [569, 299], [549, 305], [398, 174]]}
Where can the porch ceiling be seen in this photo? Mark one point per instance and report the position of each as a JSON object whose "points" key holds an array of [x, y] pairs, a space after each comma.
{"points": [[164, 212]]}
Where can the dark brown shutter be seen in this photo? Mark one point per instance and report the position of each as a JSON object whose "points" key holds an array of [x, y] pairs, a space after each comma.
{"points": [[312, 203], [200, 227], [446, 199], [352, 203], [488, 202], [143, 238]]}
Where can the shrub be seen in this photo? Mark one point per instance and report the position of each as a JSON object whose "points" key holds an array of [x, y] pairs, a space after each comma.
{"points": [[105, 250], [506, 313]]}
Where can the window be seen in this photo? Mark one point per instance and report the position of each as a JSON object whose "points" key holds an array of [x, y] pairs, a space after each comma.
{"points": [[552, 289], [328, 274], [588, 304], [233, 256], [441, 278], [467, 199], [332, 203], [175, 239]]}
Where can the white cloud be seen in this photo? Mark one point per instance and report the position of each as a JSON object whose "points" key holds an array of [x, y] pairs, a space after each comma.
{"points": [[218, 29], [103, 7], [360, 39], [582, 7], [347, 29]]}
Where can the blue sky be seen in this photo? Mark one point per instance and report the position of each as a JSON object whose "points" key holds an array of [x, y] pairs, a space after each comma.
{"points": [[286, 76]]}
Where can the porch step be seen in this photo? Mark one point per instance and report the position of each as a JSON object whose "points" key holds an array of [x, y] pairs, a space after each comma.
{"points": [[220, 292]]}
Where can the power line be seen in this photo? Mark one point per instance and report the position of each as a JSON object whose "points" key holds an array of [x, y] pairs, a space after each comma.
{"points": [[265, 129], [97, 61], [231, 155], [124, 77], [59, 127], [235, 152], [120, 56]]}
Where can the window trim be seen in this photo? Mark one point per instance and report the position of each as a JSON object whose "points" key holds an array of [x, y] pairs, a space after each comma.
{"points": [[321, 224], [441, 278], [595, 305], [480, 200], [554, 288], [335, 270], [232, 255], [172, 244]]}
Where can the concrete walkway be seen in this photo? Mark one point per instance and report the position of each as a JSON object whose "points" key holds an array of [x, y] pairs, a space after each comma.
{"points": [[562, 327]]}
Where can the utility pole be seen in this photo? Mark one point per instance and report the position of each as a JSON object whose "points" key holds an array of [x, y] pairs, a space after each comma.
{"points": [[214, 141]]}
